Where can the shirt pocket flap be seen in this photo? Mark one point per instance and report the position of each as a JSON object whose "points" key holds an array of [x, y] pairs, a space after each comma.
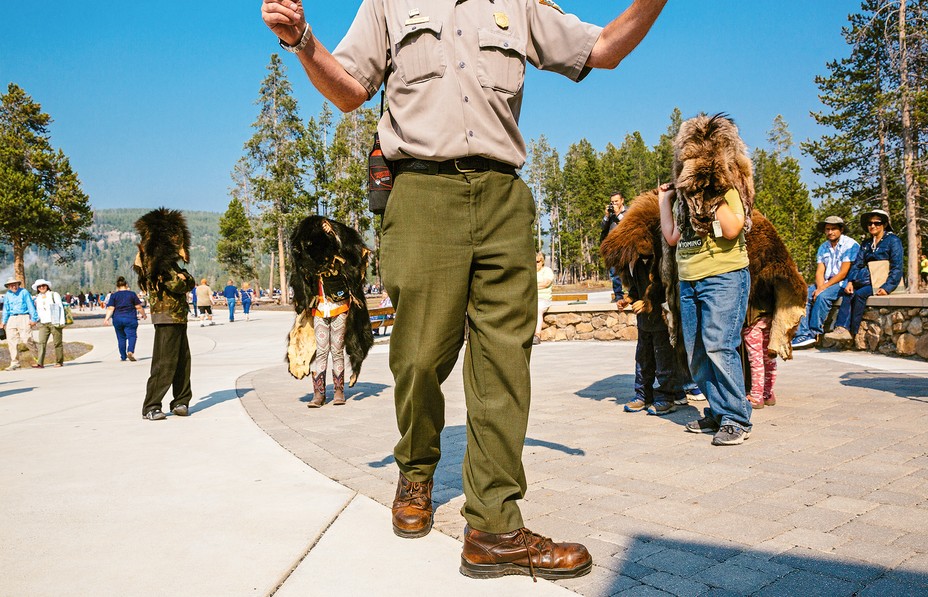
{"points": [[505, 43], [409, 31]]}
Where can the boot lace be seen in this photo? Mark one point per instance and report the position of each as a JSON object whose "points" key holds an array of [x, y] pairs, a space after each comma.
{"points": [[528, 539]]}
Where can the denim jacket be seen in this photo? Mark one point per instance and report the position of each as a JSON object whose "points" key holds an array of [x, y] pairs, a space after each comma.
{"points": [[889, 249]]}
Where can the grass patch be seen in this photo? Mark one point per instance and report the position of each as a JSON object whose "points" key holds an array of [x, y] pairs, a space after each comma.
{"points": [[72, 350]]}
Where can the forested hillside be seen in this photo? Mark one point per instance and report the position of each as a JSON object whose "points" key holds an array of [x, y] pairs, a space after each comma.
{"points": [[97, 263]]}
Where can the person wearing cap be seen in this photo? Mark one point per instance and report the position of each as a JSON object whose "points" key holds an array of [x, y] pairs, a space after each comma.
{"points": [[458, 236], [19, 317], [833, 262], [883, 245], [50, 308]]}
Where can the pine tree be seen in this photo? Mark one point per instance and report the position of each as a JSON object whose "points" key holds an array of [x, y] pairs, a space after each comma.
{"points": [[41, 201], [235, 242], [278, 151], [784, 199], [662, 156], [583, 202]]}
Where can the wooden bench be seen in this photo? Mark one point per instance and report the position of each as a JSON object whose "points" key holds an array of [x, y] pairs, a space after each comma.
{"points": [[570, 297], [384, 317]]}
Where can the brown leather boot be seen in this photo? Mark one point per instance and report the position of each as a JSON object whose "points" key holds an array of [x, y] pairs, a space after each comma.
{"points": [[318, 391], [412, 508], [338, 381], [521, 552]]}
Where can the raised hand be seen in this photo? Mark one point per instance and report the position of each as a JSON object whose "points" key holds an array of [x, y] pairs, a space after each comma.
{"points": [[285, 18]]}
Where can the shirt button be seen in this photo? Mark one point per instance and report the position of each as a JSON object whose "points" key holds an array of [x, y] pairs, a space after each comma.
{"points": [[462, 65], [470, 133], [466, 99], [506, 44], [460, 33]]}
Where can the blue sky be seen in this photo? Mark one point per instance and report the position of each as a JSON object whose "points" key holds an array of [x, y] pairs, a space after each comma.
{"points": [[153, 101]]}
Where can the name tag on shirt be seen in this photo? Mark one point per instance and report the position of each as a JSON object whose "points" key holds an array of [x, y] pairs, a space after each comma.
{"points": [[416, 21]]}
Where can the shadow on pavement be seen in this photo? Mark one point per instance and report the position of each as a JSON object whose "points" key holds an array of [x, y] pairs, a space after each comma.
{"points": [[360, 391], [903, 386], [216, 398], [7, 393], [697, 568], [618, 389]]}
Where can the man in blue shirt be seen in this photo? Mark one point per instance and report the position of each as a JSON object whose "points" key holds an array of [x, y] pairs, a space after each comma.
{"points": [[19, 317], [231, 294], [834, 259]]}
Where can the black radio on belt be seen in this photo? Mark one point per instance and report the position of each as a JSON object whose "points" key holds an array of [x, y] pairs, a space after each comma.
{"points": [[379, 169], [379, 179]]}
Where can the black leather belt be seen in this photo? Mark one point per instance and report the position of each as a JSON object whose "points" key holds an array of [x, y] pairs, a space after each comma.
{"points": [[457, 166]]}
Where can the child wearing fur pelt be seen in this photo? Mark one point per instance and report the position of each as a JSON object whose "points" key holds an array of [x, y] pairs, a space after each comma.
{"points": [[654, 356]]}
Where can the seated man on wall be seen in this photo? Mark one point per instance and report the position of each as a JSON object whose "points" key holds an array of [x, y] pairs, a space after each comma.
{"points": [[834, 259]]}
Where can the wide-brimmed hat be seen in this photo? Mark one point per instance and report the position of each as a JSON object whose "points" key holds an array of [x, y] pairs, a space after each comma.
{"points": [[13, 280], [833, 220], [865, 218], [41, 282]]}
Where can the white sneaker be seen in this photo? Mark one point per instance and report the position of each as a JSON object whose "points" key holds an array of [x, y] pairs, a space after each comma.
{"points": [[13, 367]]}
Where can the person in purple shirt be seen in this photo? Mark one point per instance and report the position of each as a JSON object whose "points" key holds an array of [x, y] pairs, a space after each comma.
{"points": [[231, 294], [124, 309]]}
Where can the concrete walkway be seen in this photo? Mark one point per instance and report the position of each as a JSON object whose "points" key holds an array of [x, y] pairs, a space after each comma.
{"points": [[828, 497], [96, 501]]}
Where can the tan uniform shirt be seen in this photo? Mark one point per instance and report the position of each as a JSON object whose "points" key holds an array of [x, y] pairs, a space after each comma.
{"points": [[455, 88]]}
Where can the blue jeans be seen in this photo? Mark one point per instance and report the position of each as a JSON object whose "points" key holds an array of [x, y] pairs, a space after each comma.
{"points": [[246, 307], [817, 311], [654, 359], [616, 283], [851, 311], [125, 334], [231, 309], [712, 314]]}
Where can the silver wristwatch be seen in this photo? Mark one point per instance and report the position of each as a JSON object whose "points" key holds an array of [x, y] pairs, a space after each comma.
{"points": [[307, 35]]}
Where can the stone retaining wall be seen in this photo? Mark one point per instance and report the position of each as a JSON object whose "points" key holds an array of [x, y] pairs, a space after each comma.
{"points": [[895, 325], [892, 325], [588, 322]]}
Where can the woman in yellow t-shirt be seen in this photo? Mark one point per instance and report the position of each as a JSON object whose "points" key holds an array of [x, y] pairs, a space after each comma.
{"points": [[714, 289]]}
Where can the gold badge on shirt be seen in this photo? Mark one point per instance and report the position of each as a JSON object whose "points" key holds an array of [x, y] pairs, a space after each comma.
{"points": [[551, 4], [502, 20]]}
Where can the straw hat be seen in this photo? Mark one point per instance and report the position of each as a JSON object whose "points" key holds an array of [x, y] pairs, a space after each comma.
{"points": [[40, 282], [13, 280]]}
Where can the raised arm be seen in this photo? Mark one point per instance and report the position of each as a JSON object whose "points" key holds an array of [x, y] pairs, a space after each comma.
{"points": [[623, 35], [668, 223], [288, 22]]}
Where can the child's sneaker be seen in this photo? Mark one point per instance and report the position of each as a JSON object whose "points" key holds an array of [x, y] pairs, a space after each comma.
{"points": [[636, 405], [662, 408], [681, 400]]}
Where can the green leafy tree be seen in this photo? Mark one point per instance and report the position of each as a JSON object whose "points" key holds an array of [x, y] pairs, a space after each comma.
{"points": [[662, 156], [639, 162], [278, 153], [234, 249], [41, 201], [347, 178], [784, 199], [582, 210]]}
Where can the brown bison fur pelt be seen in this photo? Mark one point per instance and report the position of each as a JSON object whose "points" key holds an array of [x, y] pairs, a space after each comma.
{"points": [[164, 238], [709, 158], [637, 235], [320, 245], [776, 284]]}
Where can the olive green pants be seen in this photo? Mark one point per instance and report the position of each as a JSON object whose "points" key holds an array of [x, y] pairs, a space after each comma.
{"points": [[457, 246], [46, 330]]}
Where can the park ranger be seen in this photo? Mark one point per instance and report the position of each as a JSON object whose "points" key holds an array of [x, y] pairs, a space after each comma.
{"points": [[457, 233]]}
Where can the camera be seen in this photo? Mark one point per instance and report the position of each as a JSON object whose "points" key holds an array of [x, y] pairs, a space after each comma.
{"points": [[611, 209]]}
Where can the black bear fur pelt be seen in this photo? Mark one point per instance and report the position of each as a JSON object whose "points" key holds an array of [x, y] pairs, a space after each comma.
{"points": [[318, 245], [164, 237]]}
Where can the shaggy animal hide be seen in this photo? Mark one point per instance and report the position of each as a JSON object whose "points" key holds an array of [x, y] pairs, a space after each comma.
{"points": [[709, 158], [165, 238], [319, 245], [776, 285], [637, 235]]}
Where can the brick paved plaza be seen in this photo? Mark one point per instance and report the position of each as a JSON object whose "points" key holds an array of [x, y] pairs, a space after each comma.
{"points": [[828, 497]]}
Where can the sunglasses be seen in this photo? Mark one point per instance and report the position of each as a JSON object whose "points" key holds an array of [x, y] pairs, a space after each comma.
{"points": [[875, 223]]}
